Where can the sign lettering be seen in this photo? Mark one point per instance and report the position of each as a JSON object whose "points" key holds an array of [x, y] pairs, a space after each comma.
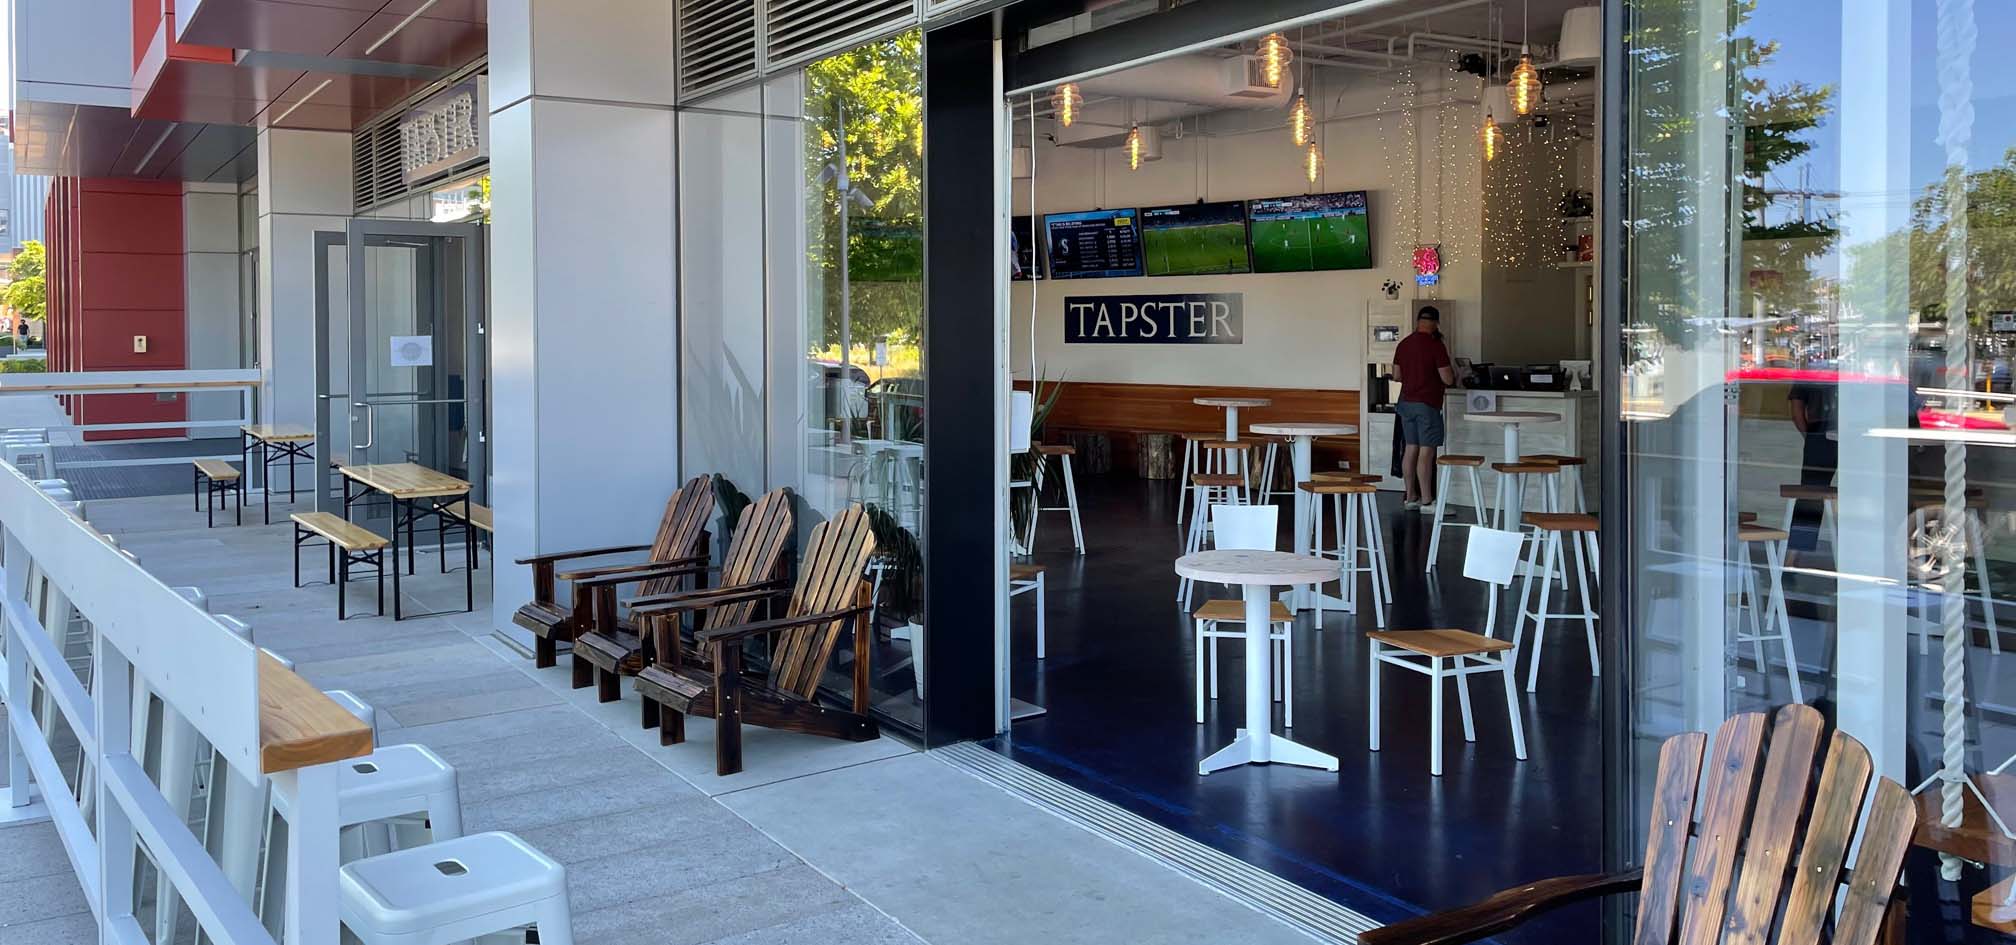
{"points": [[1193, 319]]}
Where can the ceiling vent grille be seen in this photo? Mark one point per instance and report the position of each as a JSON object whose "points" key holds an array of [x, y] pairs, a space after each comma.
{"points": [[797, 31], [364, 166], [716, 44]]}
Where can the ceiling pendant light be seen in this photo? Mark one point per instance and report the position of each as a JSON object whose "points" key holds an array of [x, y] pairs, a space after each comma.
{"points": [[1274, 59], [1312, 163], [1492, 138], [1525, 85], [1301, 122], [1134, 148], [1066, 100]]}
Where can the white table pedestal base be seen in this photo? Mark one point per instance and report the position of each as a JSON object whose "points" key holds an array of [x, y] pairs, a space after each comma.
{"points": [[1257, 743]]}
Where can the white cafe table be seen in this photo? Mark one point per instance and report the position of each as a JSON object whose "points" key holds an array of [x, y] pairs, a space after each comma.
{"points": [[1512, 420], [1232, 405], [1257, 573], [1303, 435]]}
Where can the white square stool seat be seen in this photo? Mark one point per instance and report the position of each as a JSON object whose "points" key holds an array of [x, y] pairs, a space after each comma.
{"points": [[397, 781], [454, 891]]}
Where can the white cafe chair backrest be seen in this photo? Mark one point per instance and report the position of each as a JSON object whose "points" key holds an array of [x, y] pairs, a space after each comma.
{"points": [[1244, 527], [1021, 413], [1491, 555]]}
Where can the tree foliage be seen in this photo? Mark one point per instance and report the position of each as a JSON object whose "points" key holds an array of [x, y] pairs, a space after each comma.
{"points": [[28, 293]]}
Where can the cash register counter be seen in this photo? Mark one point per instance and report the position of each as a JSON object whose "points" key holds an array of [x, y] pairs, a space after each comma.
{"points": [[1575, 435]]}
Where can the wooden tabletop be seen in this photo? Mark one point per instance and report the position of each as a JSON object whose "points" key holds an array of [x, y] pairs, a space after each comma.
{"points": [[1232, 401], [1271, 568], [299, 727], [1305, 428], [1512, 416], [278, 433], [405, 480]]}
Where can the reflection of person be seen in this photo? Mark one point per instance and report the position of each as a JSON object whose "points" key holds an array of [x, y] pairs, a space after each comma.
{"points": [[1813, 416], [1422, 361]]}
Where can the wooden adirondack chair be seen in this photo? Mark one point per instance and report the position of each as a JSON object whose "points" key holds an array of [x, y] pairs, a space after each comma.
{"points": [[1732, 877], [755, 549], [681, 539], [829, 592]]}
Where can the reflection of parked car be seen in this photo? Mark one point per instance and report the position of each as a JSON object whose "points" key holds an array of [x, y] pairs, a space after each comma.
{"points": [[897, 403], [842, 400]]}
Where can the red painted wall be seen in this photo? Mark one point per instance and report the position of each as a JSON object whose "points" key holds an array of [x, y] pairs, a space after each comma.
{"points": [[116, 261]]}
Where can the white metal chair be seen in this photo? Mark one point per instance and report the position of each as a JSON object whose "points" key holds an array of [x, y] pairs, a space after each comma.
{"points": [[1253, 528], [1492, 556], [454, 891], [1206, 490], [1023, 579]]}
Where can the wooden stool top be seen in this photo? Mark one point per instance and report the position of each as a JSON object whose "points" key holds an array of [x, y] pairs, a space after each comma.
{"points": [[1202, 437], [1748, 533], [1217, 479], [1227, 444], [1558, 459], [1458, 459], [1746, 518], [1526, 469], [1341, 476], [1798, 491], [1047, 449], [1235, 610], [1337, 488], [217, 469], [1440, 642], [1024, 572], [1561, 521]]}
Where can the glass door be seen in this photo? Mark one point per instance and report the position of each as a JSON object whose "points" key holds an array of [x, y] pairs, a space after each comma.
{"points": [[409, 350]]}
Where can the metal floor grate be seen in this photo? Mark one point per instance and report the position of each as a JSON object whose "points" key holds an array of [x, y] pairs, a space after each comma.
{"points": [[1250, 885]]}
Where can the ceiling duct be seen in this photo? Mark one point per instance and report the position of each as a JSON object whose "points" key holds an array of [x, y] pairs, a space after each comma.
{"points": [[1169, 90]]}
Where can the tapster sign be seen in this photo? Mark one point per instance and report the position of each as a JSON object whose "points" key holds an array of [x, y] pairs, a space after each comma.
{"points": [[1216, 318], [445, 131]]}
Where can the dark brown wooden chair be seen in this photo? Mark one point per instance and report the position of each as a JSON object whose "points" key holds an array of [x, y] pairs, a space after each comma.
{"points": [[1769, 853], [755, 550], [681, 540], [828, 594]]}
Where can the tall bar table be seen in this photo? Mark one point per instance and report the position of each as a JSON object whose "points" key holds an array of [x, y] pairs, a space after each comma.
{"points": [[1302, 454], [1258, 573], [1232, 405], [1512, 420]]}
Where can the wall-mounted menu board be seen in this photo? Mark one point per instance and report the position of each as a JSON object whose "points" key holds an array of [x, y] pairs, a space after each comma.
{"points": [[1093, 244], [1195, 239], [1310, 232]]}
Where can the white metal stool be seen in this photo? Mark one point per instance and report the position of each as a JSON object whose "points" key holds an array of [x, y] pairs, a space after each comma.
{"points": [[1360, 541], [1768, 619], [18, 452], [1449, 463], [1191, 467], [1043, 452], [1514, 478], [454, 891], [1445, 654], [1827, 496], [1545, 558], [1273, 471], [1572, 498], [1022, 579], [394, 784], [1231, 457], [1206, 490]]}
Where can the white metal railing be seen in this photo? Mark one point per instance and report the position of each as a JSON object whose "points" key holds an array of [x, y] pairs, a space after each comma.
{"points": [[242, 383], [72, 600]]}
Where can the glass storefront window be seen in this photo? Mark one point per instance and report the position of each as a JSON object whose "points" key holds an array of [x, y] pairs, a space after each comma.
{"points": [[1817, 206], [464, 201]]}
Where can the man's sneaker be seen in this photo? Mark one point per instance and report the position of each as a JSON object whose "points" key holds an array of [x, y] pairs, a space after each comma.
{"points": [[1428, 507], [1410, 504]]}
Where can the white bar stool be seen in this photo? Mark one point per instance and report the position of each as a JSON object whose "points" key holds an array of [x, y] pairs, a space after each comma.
{"points": [[1244, 528], [1191, 467], [1513, 478], [1273, 471], [1768, 620], [1572, 498], [1439, 655], [1043, 453], [1230, 457], [455, 891], [1361, 541], [1022, 579], [1449, 463], [1206, 490], [1545, 558], [1827, 496]]}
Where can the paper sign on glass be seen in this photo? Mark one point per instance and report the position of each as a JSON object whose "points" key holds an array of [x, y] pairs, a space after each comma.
{"points": [[412, 350]]}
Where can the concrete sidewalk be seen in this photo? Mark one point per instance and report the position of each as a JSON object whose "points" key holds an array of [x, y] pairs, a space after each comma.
{"points": [[818, 840]]}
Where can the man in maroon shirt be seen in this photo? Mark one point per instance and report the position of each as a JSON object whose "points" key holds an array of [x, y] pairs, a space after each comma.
{"points": [[1422, 362]]}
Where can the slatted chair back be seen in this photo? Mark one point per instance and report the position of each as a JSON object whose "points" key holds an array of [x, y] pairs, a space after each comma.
{"points": [[754, 550], [1732, 877], [829, 575], [686, 515]]}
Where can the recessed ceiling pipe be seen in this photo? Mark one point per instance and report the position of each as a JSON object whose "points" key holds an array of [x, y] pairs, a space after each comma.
{"points": [[1453, 42], [1404, 18]]}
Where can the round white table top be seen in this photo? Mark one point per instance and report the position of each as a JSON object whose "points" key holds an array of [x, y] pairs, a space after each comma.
{"points": [[1270, 568], [1232, 401], [1304, 428], [1512, 416]]}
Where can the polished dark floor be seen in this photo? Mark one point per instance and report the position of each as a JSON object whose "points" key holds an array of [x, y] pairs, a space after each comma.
{"points": [[1381, 835]]}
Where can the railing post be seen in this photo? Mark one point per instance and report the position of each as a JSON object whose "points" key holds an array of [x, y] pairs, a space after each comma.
{"points": [[312, 862], [20, 789], [112, 696]]}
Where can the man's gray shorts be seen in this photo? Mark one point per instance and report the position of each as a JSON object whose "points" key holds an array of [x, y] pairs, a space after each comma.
{"points": [[1420, 424]]}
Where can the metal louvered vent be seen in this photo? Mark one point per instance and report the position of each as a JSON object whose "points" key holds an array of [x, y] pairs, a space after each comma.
{"points": [[800, 30], [363, 169], [716, 44]]}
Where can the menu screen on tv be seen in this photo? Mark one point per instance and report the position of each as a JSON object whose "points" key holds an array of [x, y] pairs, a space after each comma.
{"points": [[1093, 244], [1309, 233], [1024, 262], [1196, 239]]}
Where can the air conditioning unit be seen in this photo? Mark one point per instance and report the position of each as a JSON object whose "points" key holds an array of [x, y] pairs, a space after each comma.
{"points": [[1243, 79]]}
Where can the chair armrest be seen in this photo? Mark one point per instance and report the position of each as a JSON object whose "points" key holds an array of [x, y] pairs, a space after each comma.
{"points": [[744, 631], [637, 573], [1502, 911], [683, 601], [585, 574], [585, 553]]}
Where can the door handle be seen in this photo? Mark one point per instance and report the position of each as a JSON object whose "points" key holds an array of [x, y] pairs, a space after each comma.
{"points": [[370, 427]]}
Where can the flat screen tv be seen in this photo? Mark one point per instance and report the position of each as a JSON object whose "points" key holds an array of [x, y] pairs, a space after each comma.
{"points": [[1310, 233], [1195, 239], [1093, 244], [1024, 262]]}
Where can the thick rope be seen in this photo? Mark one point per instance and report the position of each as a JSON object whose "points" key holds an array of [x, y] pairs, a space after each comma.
{"points": [[1957, 34]]}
